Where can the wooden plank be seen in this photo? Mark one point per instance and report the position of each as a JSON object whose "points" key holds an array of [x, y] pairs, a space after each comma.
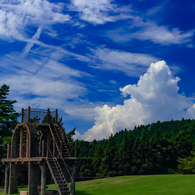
{"points": [[34, 159]]}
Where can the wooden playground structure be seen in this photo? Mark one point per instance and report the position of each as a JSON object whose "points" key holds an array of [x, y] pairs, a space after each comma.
{"points": [[42, 145]]}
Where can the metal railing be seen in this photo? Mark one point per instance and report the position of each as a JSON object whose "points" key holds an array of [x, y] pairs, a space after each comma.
{"points": [[36, 115]]}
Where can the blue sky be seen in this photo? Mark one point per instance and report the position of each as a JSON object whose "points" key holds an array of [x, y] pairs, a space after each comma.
{"points": [[106, 65]]}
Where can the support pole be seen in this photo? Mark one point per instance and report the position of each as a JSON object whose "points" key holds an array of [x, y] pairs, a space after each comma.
{"points": [[56, 116], [21, 143], [27, 145], [73, 173], [43, 178], [43, 144], [48, 143], [6, 179], [13, 179], [29, 114], [48, 116], [22, 115], [8, 150], [75, 148]]}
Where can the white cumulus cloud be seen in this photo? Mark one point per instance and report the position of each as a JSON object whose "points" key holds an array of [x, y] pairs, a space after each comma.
{"points": [[154, 97]]}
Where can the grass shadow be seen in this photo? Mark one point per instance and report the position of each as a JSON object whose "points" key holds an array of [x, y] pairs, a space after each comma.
{"points": [[81, 192]]}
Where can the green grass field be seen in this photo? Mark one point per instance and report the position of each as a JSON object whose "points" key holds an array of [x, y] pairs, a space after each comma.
{"points": [[137, 185]]}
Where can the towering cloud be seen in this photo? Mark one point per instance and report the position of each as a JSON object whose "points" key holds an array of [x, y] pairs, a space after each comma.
{"points": [[154, 97]]}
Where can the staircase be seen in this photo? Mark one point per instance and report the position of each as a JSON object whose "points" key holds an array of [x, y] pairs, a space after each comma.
{"points": [[60, 142], [58, 176], [53, 163]]}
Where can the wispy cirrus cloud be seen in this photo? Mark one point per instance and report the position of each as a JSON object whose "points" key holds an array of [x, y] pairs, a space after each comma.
{"points": [[44, 81], [150, 31], [16, 16], [139, 27], [132, 64], [99, 12], [162, 35]]}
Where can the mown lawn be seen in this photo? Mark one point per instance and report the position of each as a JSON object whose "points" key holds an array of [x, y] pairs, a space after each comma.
{"points": [[137, 185]]}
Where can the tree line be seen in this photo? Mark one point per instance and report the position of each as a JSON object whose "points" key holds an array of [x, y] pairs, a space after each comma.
{"points": [[157, 148]]}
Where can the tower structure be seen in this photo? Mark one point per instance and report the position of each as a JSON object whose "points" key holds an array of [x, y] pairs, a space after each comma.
{"points": [[39, 142]]}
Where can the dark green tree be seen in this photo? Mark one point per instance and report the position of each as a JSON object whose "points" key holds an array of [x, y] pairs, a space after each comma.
{"points": [[125, 154], [70, 134], [97, 159], [142, 162], [8, 121], [163, 155], [107, 168], [182, 145]]}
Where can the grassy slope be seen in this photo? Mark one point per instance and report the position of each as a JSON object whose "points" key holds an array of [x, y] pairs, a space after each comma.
{"points": [[137, 185]]}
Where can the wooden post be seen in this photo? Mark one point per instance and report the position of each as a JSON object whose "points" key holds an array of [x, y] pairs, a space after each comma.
{"points": [[8, 151], [6, 179], [43, 178], [48, 115], [43, 148], [48, 143], [27, 144], [29, 114], [56, 116], [13, 179], [54, 147], [75, 148], [21, 143], [72, 187], [22, 115]]}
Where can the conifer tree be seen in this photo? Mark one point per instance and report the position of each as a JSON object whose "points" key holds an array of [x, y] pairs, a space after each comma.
{"points": [[182, 145], [125, 154], [107, 168], [8, 121]]}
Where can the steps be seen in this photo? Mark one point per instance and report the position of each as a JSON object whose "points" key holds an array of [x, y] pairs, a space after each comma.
{"points": [[58, 176], [60, 142], [53, 163]]}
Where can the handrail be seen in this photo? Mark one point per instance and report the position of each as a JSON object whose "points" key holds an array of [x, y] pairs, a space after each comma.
{"points": [[57, 168]]}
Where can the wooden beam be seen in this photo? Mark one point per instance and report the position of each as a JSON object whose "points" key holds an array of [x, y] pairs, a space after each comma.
{"points": [[43, 178], [8, 151], [73, 174], [21, 143], [48, 143], [56, 116], [22, 115], [43, 144], [6, 179], [29, 114], [27, 144], [48, 115]]}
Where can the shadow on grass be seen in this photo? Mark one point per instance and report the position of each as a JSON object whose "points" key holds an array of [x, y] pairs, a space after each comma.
{"points": [[80, 192]]}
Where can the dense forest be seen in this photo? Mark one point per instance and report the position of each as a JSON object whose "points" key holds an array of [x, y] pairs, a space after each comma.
{"points": [[157, 148]]}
